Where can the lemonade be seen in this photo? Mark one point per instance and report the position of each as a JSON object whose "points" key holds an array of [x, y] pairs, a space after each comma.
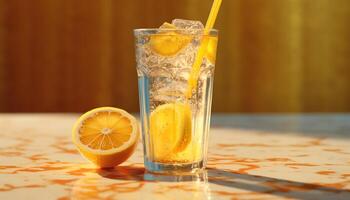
{"points": [[175, 125], [175, 66]]}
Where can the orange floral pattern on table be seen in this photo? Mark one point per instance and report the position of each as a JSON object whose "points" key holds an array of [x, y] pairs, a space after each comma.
{"points": [[38, 161]]}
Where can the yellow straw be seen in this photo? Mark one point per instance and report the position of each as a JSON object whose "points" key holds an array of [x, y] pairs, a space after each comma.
{"points": [[192, 81]]}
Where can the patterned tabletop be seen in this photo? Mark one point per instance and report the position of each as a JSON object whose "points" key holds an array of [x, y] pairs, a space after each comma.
{"points": [[250, 157]]}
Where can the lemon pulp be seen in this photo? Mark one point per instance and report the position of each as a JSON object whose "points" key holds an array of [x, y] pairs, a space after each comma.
{"points": [[170, 129]]}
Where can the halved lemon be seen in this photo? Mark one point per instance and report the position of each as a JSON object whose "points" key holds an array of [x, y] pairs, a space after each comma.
{"points": [[170, 129], [168, 42], [106, 136]]}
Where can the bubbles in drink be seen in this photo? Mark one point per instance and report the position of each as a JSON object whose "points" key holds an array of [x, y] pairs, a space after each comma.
{"points": [[166, 58]]}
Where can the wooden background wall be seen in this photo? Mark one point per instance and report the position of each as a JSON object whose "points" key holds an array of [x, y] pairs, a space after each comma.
{"points": [[273, 56]]}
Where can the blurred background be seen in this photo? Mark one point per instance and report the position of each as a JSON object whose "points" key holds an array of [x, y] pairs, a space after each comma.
{"points": [[273, 55]]}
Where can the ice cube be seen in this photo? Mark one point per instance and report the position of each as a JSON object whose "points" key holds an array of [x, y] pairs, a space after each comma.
{"points": [[168, 90], [191, 26], [166, 25]]}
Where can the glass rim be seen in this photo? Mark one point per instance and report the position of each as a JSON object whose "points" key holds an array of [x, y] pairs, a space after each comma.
{"points": [[151, 31]]}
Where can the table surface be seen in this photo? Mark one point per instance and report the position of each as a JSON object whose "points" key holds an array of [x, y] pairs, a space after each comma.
{"points": [[250, 157]]}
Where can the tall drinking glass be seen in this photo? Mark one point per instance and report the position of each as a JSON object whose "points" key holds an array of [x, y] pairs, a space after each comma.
{"points": [[175, 118]]}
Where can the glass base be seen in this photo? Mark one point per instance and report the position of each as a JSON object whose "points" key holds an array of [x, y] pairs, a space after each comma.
{"points": [[161, 168]]}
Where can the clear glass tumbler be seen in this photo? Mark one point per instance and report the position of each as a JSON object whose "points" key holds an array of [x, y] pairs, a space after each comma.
{"points": [[175, 118]]}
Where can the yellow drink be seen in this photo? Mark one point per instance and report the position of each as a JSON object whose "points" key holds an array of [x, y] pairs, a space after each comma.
{"points": [[174, 125], [175, 66]]}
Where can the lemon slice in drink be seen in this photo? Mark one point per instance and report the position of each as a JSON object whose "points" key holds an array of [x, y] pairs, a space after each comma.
{"points": [[210, 52], [168, 42], [170, 129], [106, 136]]}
